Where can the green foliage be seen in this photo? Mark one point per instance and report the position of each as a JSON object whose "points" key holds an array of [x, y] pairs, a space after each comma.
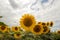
{"points": [[2, 23]]}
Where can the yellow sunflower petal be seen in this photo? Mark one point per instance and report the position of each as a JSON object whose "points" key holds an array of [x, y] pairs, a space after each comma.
{"points": [[27, 21]]}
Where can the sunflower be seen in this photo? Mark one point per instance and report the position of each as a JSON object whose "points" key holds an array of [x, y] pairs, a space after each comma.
{"points": [[17, 35], [8, 30], [46, 29], [39, 22], [47, 23], [27, 21], [37, 29], [43, 23], [15, 29], [51, 23], [58, 32], [3, 28]]}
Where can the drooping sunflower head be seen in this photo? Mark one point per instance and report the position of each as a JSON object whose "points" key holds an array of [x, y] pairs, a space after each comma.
{"points": [[27, 21], [17, 35], [46, 29], [3, 28], [15, 29], [37, 29], [51, 23]]}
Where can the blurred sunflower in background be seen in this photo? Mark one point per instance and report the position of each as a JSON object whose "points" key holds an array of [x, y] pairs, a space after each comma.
{"points": [[17, 35], [37, 29], [39, 22], [15, 29], [47, 23], [27, 21], [58, 32], [51, 23], [46, 29], [43, 23], [8, 29], [3, 28]]}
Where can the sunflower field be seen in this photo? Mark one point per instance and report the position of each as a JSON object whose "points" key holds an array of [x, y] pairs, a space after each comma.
{"points": [[29, 29]]}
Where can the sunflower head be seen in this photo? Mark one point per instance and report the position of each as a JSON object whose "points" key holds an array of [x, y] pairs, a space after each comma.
{"points": [[46, 29], [15, 29], [47, 23], [3, 28], [17, 35], [58, 32], [37, 29], [51, 23], [27, 21]]}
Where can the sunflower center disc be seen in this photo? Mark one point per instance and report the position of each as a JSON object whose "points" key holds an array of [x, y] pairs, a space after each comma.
{"points": [[16, 28], [18, 34], [3, 27], [28, 22], [47, 23], [37, 28], [51, 24]]}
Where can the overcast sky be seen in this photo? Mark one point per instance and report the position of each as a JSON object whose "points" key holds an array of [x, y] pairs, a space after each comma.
{"points": [[43, 10]]}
